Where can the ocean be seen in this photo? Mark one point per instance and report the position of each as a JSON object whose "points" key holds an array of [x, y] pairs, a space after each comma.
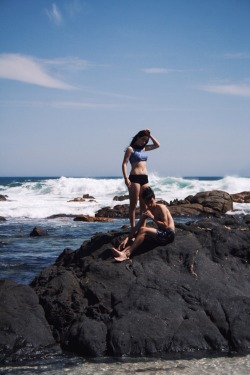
{"points": [[31, 201]]}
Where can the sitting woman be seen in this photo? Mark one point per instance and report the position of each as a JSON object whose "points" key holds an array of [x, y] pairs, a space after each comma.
{"points": [[163, 234]]}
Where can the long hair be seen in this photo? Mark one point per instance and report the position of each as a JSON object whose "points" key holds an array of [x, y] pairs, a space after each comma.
{"points": [[140, 134]]}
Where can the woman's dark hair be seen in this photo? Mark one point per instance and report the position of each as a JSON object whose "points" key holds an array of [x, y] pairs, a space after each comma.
{"points": [[141, 133]]}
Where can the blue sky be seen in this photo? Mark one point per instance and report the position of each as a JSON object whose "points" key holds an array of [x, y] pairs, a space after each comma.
{"points": [[78, 79]]}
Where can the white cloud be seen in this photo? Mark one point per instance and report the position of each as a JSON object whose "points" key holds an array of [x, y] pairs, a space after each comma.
{"points": [[69, 10], [82, 105], [29, 70], [237, 55], [54, 14], [58, 104], [69, 63], [158, 70], [228, 89]]}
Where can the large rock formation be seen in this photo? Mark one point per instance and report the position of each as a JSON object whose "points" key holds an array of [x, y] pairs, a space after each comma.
{"points": [[24, 331], [243, 197], [190, 296], [208, 202]]}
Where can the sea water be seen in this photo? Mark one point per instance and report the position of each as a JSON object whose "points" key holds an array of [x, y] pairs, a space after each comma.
{"points": [[237, 365], [31, 202], [34, 197]]}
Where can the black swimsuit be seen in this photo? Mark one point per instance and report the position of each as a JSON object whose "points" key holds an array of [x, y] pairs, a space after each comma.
{"points": [[141, 179], [165, 236]]}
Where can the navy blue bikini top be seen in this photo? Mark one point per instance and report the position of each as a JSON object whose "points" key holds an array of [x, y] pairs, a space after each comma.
{"points": [[138, 155]]}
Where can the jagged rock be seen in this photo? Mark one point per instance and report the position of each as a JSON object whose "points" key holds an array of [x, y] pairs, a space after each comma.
{"points": [[118, 211], [56, 216], [121, 197], [187, 209], [3, 197], [216, 200], [77, 200], [83, 199], [91, 219], [87, 196], [2, 218], [24, 331], [205, 203], [38, 231], [243, 197], [190, 296]]}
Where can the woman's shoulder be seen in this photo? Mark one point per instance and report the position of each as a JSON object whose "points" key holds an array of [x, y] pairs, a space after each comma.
{"points": [[129, 149]]}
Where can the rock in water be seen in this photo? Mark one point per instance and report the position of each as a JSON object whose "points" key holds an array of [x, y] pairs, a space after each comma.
{"points": [[38, 232]]}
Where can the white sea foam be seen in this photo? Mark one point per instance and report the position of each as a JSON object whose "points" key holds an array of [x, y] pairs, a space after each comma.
{"points": [[45, 197]]}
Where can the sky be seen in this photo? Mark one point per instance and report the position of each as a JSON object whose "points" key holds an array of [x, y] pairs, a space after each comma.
{"points": [[79, 78]]}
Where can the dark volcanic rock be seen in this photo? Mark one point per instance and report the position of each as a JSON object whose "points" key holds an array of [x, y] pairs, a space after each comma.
{"points": [[56, 216], [121, 197], [2, 218], [91, 219], [24, 331], [38, 231], [87, 196], [190, 296], [3, 197], [118, 211]]}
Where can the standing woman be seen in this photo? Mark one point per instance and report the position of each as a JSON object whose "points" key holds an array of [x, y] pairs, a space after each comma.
{"points": [[138, 178]]}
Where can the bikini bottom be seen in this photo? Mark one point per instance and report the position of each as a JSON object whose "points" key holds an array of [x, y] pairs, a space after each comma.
{"points": [[141, 179]]}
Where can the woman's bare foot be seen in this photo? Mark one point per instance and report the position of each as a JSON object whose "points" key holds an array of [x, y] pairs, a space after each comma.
{"points": [[120, 256]]}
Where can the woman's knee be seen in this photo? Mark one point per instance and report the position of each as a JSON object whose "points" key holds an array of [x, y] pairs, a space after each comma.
{"points": [[142, 230]]}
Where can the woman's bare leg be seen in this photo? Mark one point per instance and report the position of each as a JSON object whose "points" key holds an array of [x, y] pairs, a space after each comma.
{"points": [[120, 256], [134, 192]]}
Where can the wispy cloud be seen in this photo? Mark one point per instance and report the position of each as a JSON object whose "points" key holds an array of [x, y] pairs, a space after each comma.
{"points": [[69, 63], [29, 70], [159, 70], [75, 7], [237, 55], [80, 105], [54, 14], [68, 11], [228, 89]]}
